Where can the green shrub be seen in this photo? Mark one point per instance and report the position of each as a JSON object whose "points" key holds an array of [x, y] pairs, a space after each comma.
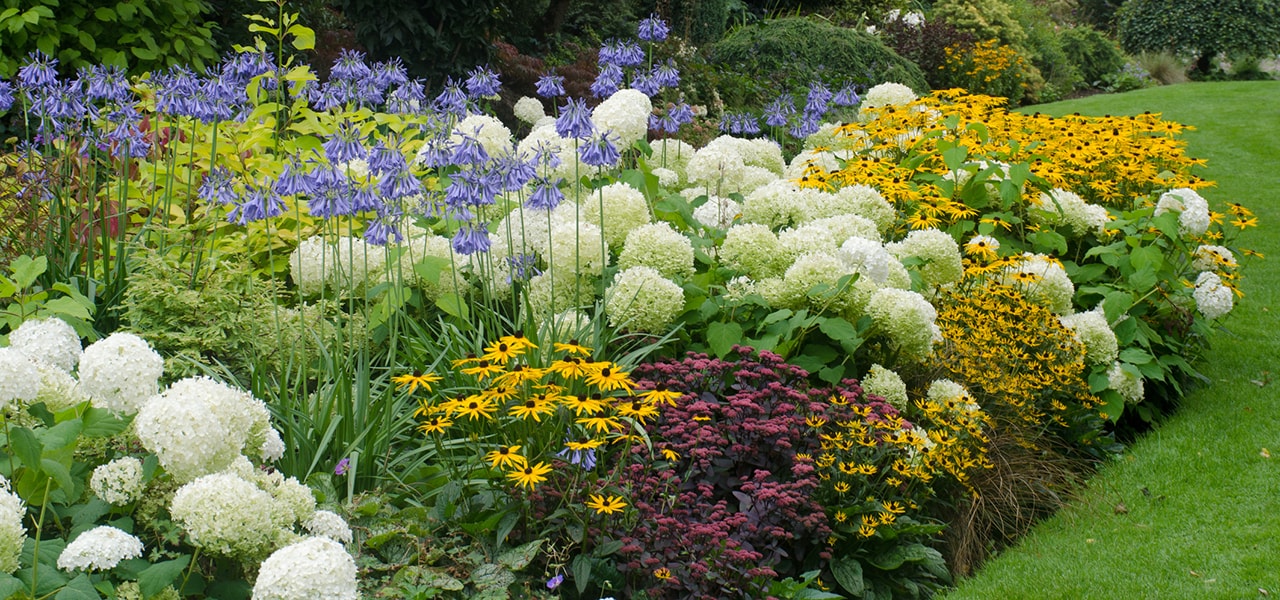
{"points": [[139, 35], [1092, 52], [1204, 28], [985, 19], [791, 53], [1044, 49]]}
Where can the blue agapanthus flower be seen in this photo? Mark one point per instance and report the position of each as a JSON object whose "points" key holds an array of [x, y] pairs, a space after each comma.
{"points": [[6, 95], [847, 96], [599, 151], [574, 120], [666, 74], [409, 98], [39, 70], [546, 195], [779, 111], [653, 29], [344, 144], [350, 66], [258, 203], [482, 82], [607, 81], [550, 86], [471, 239]]}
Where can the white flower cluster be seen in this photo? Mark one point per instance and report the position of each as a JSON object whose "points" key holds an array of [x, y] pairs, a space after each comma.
{"points": [[907, 319], [19, 379], [1126, 381], [529, 110], [316, 568], [12, 533], [626, 114], [1048, 282], [641, 299], [1091, 329], [120, 372], [229, 516], [754, 249], [938, 252], [492, 135], [1062, 207], [718, 212], [947, 393], [717, 169], [59, 390], [1211, 258], [1213, 298], [200, 426], [330, 525], [99, 549], [886, 384], [659, 246], [118, 482], [49, 340], [888, 94], [1192, 209], [845, 226], [617, 208]]}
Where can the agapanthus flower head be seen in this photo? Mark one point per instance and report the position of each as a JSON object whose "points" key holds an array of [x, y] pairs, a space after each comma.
{"points": [[38, 71], [106, 82], [383, 230], [316, 568], [550, 85], [599, 151], [468, 150], [585, 458], [350, 66], [408, 98], [607, 81], [847, 96], [390, 73], [6, 96], [452, 100], [471, 239], [256, 204], [779, 110], [574, 120], [482, 82], [546, 195], [645, 83], [99, 549], [653, 29], [666, 74], [345, 144]]}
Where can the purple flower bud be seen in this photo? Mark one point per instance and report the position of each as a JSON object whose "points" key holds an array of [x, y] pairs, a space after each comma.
{"points": [[342, 467]]}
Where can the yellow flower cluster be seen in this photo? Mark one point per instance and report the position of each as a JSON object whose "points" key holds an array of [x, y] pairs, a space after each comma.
{"points": [[984, 62], [1017, 359], [875, 467], [520, 412]]}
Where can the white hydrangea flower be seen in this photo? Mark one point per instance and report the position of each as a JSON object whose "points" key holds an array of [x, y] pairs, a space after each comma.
{"points": [[673, 154], [328, 524], [294, 501], [641, 299], [779, 204], [1192, 209], [357, 264], [843, 227], [493, 136], [1042, 280], [939, 251], [1092, 330], [1063, 207], [316, 568], [800, 163], [817, 268], [806, 239], [625, 113], [718, 212], [752, 179], [757, 152], [1125, 382], [546, 139], [866, 201], [1211, 258], [439, 251], [577, 248], [666, 177], [227, 516], [99, 549], [888, 94], [659, 246], [945, 392], [118, 482], [624, 209], [200, 426], [738, 288], [715, 168], [868, 258], [553, 292], [311, 265], [754, 249], [12, 532], [529, 110], [1213, 299], [50, 340], [19, 379], [120, 372], [907, 319], [59, 391], [886, 384], [272, 448]]}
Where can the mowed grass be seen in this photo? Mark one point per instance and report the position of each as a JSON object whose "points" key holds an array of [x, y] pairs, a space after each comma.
{"points": [[1192, 510]]}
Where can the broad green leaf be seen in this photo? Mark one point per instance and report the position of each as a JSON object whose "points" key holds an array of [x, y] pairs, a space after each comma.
{"points": [[1136, 356], [60, 435], [899, 555], [519, 557], [26, 446], [99, 422], [848, 573], [453, 304], [953, 158], [26, 270], [143, 53], [723, 336], [80, 588], [1114, 406], [87, 41], [59, 473], [155, 578], [10, 585], [304, 38], [838, 328], [581, 572]]}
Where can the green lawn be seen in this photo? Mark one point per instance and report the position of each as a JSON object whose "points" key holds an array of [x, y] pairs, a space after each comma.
{"points": [[1193, 509]]}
